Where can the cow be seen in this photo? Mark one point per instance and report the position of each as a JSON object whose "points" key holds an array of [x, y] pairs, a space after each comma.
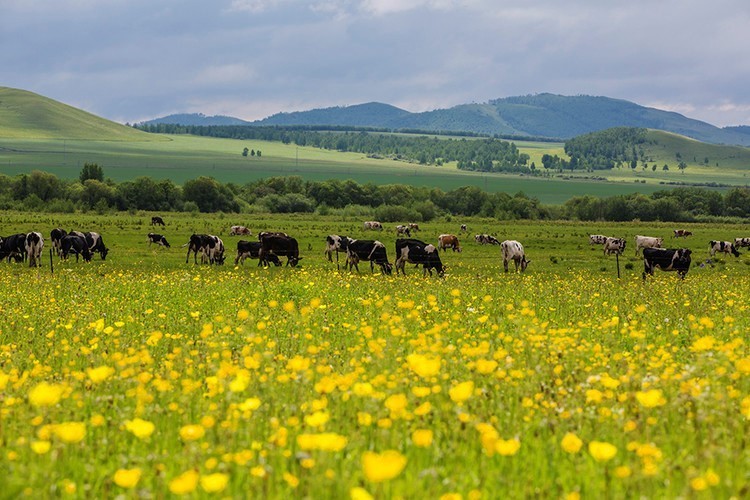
{"points": [[614, 246], [419, 253], [72, 243], [666, 260], [157, 221], [158, 239], [96, 244], [446, 241], [464, 228], [722, 246], [213, 250], [647, 242], [239, 230], [281, 246], [513, 250], [741, 242], [195, 245], [34, 246], [251, 249], [681, 233], [413, 226], [373, 225], [263, 234], [368, 250], [56, 235], [597, 239], [403, 230], [486, 239], [13, 247], [336, 244]]}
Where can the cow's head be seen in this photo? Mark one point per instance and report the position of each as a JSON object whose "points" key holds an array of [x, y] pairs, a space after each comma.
{"points": [[524, 263], [293, 261], [104, 253], [387, 268]]}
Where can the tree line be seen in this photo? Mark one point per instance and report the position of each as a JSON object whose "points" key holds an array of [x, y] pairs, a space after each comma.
{"points": [[42, 191]]}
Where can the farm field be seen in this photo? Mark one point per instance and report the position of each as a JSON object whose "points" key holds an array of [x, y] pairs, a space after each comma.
{"points": [[144, 376]]}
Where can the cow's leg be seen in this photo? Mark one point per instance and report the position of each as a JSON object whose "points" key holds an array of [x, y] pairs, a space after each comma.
{"points": [[505, 265]]}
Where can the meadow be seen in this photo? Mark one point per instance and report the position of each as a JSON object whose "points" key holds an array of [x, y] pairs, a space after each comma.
{"points": [[144, 376]]}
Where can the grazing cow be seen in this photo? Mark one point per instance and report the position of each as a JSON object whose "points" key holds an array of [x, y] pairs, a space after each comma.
{"points": [[251, 249], [486, 239], [513, 250], [263, 234], [239, 230], [72, 243], [741, 242], [336, 244], [213, 250], [614, 246], [647, 242], [413, 226], [96, 244], [373, 225], [682, 233], [403, 230], [34, 246], [464, 228], [195, 245], [56, 235], [597, 239], [722, 246], [666, 260], [13, 246], [374, 251], [418, 252], [446, 241], [158, 239], [157, 221], [282, 246]]}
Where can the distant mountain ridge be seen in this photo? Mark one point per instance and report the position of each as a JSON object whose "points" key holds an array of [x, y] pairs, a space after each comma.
{"points": [[540, 115], [189, 119]]}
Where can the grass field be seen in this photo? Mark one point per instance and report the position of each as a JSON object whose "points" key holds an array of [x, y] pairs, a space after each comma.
{"points": [[143, 376]]}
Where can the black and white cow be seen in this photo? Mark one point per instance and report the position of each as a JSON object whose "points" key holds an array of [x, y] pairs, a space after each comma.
{"points": [[34, 246], [486, 239], [263, 234], [239, 230], [281, 246], [722, 246], [464, 228], [597, 239], [403, 230], [647, 242], [13, 247], [413, 226], [72, 243], [195, 246], [158, 239], [513, 250], [682, 233], [419, 253], [251, 249], [157, 221], [373, 225], [368, 250], [614, 246], [666, 259], [56, 235], [213, 250], [96, 244], [741, 242], [336, 244]]}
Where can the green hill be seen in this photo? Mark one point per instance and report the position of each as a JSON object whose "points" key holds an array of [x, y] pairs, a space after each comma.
{"points": [[26, 115]]}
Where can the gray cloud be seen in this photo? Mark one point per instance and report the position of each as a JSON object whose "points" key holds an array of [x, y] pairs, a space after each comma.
{"points": [[130, 60]]}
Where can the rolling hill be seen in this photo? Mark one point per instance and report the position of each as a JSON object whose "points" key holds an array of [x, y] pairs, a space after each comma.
{"points": [[543, 115], [26, 115]]}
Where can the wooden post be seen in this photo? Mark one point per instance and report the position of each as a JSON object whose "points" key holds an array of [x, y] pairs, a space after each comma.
{"points": [[617, 259], [51, 265]]}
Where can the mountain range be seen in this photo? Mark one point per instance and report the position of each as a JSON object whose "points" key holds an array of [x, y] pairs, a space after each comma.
{"points": [[548, 116]]}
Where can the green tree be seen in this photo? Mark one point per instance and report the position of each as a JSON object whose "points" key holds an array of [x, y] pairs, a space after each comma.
{"points": [[91, 171]]}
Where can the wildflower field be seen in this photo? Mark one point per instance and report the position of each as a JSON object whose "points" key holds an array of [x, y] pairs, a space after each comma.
{"points": [[143, 376]]}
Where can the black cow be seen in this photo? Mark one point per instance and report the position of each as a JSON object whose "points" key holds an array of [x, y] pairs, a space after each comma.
{"points": [[56, 236], [195, 245], [157, 221], [281, 246], [96, 244], [251, 249], [13, 247], [72, 243], [263, 234], [418, 252], [666, 260], [368, 250], [336, 244], [158, 239]]}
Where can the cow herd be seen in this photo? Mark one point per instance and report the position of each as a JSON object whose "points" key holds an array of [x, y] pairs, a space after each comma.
{"points": [[666, 259], [28, 246]]}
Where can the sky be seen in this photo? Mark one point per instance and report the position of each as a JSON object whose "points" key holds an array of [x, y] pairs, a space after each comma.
{"points": [[133, 60]]}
